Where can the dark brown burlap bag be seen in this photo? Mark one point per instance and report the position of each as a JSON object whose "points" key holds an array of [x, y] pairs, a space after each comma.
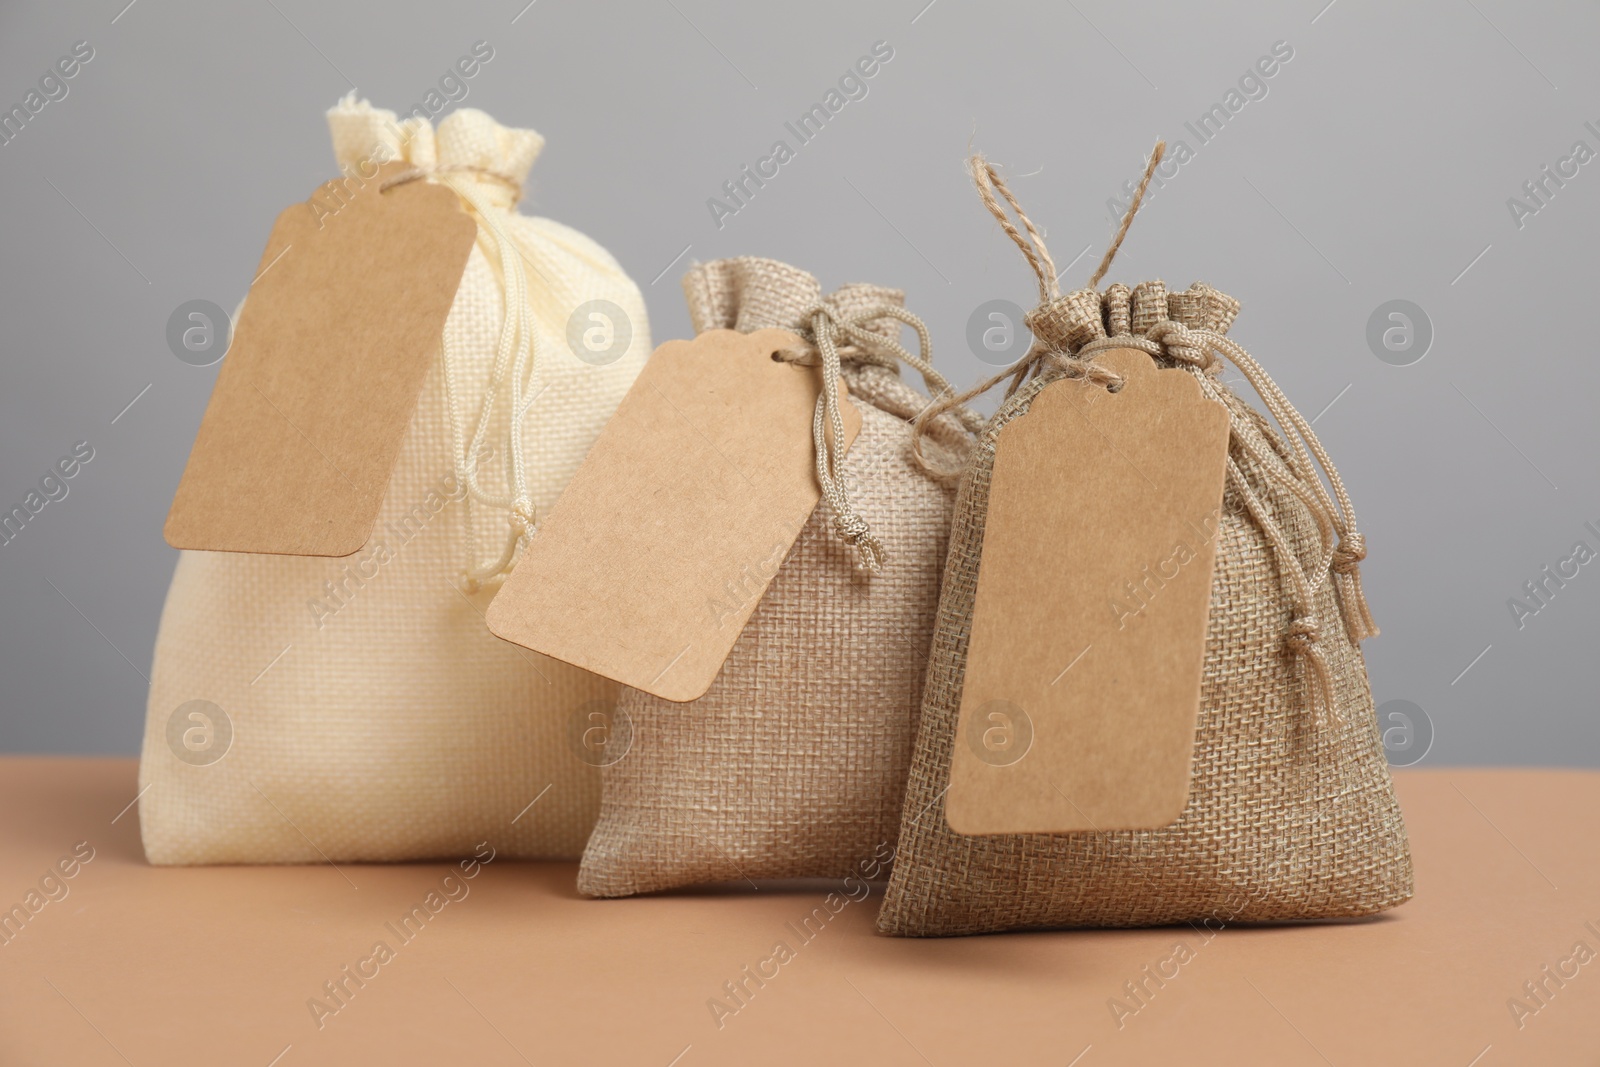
{"points": [[793, 763], [1291, 813]]}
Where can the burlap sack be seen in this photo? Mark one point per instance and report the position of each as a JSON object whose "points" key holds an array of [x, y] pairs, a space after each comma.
{"points": [[1291, 811], [793, 763], [373, 715]]}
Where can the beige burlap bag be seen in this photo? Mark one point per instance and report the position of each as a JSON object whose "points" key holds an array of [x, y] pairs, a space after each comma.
{"points": [[1291, 813], [372, 715], [792, 764]]}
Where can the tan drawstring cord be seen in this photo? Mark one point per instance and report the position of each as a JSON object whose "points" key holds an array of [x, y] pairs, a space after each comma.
{"points": [[1343, 546], [827, 326]]}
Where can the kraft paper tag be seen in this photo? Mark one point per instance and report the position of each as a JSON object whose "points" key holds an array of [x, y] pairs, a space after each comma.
{"points": [[660, 548], [318, 389], [1089, 631]]}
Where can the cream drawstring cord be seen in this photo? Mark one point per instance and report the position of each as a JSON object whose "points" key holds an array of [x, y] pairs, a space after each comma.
{"points": [[827, 428], [1197, 350], [516, 362]]}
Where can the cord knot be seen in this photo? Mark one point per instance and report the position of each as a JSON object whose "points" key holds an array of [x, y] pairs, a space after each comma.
{"points": [[855, 531], [1183, 345], [851, 527], [1304, 632], [1350, 551]]}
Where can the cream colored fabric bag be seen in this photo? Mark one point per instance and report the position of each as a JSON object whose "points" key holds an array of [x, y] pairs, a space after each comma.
{"points": [[793, 763], [372, 714]]}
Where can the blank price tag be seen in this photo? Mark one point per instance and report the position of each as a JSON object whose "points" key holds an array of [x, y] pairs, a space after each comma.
{"points": [[660, 548], [318, 389], [1089, 632]]}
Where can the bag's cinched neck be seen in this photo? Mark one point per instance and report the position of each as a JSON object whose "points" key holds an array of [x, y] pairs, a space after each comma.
{"points": [[749, 293], [492, 159], [1189, 330]]}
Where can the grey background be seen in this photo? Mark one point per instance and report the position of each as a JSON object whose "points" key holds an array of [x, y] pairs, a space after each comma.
{"points": [[1377, 167]]}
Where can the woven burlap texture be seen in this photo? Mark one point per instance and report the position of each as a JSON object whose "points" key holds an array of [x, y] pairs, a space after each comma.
{"points": [[1291, 814], [389, 724], [793, 763]]}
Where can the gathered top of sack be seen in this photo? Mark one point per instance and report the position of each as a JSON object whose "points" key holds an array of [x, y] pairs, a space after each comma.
{"points": [[1070, 323], [467, 142], [751, 293]]}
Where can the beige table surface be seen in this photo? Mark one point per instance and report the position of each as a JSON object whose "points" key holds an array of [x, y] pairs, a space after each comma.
{"points": [[170, 966]]}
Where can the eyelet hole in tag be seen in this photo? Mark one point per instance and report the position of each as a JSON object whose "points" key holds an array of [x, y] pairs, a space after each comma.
{"points": [[317, 391], [1084, 669], [661, 546]]}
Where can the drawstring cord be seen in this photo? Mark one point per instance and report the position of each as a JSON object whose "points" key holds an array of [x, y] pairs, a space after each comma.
{"points": [[827, 327], [515, 368]]}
